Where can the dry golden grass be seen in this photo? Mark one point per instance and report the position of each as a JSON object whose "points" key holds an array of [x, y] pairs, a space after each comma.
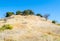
{"points": [[30, 28]]}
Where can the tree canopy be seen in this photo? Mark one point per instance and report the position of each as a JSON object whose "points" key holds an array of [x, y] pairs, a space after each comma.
{"points": [[8, 14], [39, 15], [54, 21], [18, 12], [28, 12]]}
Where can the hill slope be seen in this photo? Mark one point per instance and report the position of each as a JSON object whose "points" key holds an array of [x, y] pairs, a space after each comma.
{"points": [[29, 28]]}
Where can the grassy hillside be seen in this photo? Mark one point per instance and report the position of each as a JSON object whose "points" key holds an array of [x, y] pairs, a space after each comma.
{"points": [[29, 28]]}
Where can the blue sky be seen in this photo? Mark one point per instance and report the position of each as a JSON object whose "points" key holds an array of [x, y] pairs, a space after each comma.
{"points": [[51, 7]]}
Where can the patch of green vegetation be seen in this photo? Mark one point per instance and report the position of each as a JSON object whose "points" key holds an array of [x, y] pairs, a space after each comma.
{"points": [[54, 21], [58, 24], [5, 27], [39, 15], [8, 14]]}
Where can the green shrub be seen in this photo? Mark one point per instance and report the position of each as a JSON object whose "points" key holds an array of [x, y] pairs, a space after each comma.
{"points": [[18, 13], [39, 15], [8, 14], [7, 26], [54, 21], [28, 12]]}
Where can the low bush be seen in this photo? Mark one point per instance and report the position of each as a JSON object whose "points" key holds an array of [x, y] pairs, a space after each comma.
{"points": [[39, 15], [7, 26], [54, 21], [8, 14]]}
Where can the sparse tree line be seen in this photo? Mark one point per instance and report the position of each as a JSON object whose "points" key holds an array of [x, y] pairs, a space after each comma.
{"points": [[25, 12], [28, 12]]}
